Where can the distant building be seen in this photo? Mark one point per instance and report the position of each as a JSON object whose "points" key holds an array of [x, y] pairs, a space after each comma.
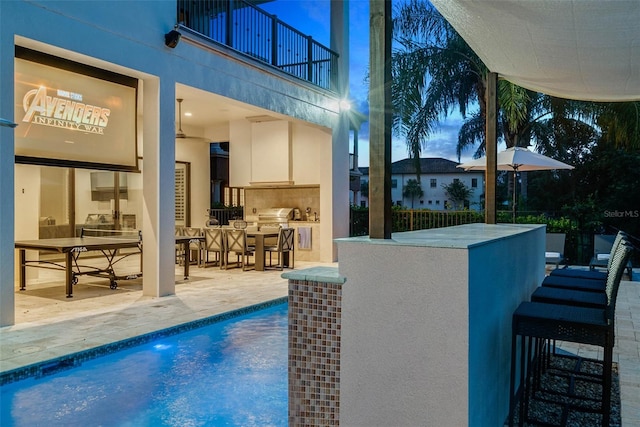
{"points": [[434, 173]]}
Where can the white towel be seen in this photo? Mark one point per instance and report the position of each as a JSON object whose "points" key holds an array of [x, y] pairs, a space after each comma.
{"points": [[304, 238]]}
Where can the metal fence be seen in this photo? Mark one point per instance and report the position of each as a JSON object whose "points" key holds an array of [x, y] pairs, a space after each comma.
{"points": [[409, 220], [252, 31]]}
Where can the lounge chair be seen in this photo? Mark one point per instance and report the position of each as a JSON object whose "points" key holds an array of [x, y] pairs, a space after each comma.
{"points": [[592, 273], [554, 250]]}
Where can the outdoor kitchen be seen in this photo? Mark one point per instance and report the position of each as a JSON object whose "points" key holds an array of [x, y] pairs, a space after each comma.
{"points": [[293, 206]]}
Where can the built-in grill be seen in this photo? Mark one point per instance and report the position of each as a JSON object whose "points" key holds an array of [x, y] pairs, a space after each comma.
{"points": [[279, 216]]}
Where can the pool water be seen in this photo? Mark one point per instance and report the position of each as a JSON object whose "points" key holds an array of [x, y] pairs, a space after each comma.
{"points": [[230, 373]]}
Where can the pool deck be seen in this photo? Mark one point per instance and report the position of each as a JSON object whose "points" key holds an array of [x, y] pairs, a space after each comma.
{"points": [[49, 325]]}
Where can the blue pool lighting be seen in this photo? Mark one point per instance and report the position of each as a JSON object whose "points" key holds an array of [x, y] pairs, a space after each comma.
{"points": [[229, 373]]}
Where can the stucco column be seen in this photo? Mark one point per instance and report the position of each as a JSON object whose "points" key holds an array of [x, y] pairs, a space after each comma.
{"points": [[334, 202], [158, 180], [7, 297]]}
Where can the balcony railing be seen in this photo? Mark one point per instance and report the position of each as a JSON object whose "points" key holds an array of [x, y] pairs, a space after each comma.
{"points": [[250, 30]]}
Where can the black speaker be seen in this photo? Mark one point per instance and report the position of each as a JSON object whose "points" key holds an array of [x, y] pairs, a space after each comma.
{"points": [[172, 38]]}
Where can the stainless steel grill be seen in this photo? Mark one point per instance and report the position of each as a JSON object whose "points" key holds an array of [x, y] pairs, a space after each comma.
{"points": [[280, 216]]}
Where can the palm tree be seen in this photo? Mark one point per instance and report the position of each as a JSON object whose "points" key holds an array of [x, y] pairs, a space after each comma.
{"points": [[620, 123], [412, 189], [434, 73], [458, 192]]}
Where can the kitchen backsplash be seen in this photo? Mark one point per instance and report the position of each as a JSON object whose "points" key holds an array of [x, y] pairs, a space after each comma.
{"points": [[301, 197]]}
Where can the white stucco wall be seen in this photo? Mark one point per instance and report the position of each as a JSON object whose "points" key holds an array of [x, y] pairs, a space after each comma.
{"points": [[426, 323], [310, 144], [196, 153], [271, 151]]}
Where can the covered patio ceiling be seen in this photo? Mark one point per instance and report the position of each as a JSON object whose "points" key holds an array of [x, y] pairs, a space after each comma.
{"points": [[577, 49]]}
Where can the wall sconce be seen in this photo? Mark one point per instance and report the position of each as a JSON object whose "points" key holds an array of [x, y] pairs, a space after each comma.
{"points": [[172, 38]]}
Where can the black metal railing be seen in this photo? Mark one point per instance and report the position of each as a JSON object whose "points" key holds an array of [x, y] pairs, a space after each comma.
{"points": [[224, 215], [246, 28]]}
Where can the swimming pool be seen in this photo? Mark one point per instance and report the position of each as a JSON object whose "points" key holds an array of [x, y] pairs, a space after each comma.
{"points": [[230, 373]]}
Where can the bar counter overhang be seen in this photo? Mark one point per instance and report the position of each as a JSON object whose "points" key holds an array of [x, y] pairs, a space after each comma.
{"points": [[426, 322]]}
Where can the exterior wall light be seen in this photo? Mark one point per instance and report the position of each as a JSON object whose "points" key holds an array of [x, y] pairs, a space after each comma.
{"points": [[172, 38], [345, 105]]}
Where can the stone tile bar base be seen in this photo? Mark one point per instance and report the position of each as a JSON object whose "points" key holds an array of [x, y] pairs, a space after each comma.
{"points": [[315, 305]]}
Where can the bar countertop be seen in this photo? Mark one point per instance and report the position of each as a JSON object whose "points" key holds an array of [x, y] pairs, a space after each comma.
{"points": [[459, 236]]}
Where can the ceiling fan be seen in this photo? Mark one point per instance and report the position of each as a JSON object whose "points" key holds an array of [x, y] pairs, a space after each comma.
{"points": [[180, 134]]}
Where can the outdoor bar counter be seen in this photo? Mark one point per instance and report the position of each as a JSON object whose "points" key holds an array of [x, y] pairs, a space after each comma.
{"points": [[426, 323]]}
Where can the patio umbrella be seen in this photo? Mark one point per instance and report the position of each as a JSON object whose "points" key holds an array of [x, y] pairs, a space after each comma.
{"points": [[517, 159]]}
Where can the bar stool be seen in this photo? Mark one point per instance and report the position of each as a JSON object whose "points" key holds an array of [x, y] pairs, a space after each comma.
{"points": [[537, 323]]}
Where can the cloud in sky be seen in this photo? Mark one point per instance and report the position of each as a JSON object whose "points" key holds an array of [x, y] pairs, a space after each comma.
{"points": [[313, 18]]}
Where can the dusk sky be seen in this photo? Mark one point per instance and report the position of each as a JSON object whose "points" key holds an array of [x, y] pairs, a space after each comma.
{"points": [[312, 17]]}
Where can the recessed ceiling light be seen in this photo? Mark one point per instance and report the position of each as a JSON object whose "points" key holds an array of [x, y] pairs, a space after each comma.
{"points": [[188, 114]]}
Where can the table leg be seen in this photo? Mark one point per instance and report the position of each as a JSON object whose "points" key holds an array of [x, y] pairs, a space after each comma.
{"points": [[69, 273], [23, 269], [259, 254], [187, 258]]}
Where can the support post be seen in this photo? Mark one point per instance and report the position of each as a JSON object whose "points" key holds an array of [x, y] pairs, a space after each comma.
{"points": [[491, 144], [380, 27]]}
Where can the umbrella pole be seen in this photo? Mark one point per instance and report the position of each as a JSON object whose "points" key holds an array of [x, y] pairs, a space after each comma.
{"points": [[515, 191]]}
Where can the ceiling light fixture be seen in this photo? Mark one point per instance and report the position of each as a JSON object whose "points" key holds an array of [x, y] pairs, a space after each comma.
{"points": [[179, 133]]}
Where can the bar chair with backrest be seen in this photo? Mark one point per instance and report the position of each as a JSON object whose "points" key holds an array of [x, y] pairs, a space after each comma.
{"points": [[592, 274], [585, 282], [602, 246], [544, 322], [577, 291]]}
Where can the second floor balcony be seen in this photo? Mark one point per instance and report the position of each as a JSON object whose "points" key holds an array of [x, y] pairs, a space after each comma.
{"points": [[246, 28]]}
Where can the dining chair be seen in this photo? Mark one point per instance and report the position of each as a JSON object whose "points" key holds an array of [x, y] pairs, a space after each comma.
{"points": [[194, 247], [179, 254], [214, 242], [236, 241], [538, 323], [284, 244]]}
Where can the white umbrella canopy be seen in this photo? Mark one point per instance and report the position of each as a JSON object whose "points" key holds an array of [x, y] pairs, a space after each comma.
{"points": [[517, 159]]}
